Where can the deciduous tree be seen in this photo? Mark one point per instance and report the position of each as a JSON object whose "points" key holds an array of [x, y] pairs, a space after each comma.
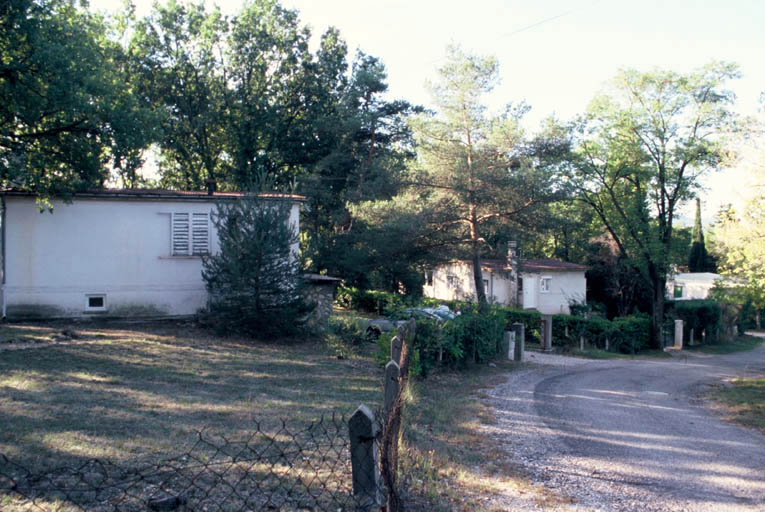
{"points": [[642, 148]]}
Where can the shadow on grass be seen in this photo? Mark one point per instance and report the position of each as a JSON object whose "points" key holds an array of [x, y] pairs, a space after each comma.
{"points": [[148, 389]]}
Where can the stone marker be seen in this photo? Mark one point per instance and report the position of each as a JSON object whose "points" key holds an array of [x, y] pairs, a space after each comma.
{"points": [[395, 350], [391, 386], [520, 341], [547, 333], [364, 458], [679, 334]]}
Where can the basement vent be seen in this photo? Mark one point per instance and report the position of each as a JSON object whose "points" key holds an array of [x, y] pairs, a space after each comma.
{"points": [[95, 303]]}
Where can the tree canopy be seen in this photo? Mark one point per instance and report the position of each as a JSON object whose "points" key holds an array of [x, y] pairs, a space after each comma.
{"points": [[641, 149]]}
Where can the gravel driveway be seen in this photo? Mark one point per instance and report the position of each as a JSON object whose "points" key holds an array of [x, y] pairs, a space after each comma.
{"points": [[630, 434]]}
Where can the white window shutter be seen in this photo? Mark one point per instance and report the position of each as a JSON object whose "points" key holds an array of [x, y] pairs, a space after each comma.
{"points": [[200, 233], [180, 228]]}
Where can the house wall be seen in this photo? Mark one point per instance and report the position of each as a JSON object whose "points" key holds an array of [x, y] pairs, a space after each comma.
{"points": [[462, 285], [694, 285], [117, 248], [565, 287]]}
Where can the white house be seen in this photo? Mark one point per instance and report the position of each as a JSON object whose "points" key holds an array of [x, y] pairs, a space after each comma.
{"points": [[545, 285], [115, 253], [691, 285]]}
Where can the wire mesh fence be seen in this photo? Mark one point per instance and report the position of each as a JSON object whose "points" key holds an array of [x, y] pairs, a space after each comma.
{"points": [[275, 468]]}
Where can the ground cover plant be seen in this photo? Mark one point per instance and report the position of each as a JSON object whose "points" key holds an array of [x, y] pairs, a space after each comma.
{"points": [[737, 344], [744, 401]]}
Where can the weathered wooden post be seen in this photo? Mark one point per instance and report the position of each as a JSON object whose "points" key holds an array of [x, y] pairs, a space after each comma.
{"points": [[363, 431], [395, 350], [547, 333], [679, 334], [520, 341]]}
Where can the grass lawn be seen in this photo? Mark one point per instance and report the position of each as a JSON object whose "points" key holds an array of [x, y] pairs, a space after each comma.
{"points": [[596, 353], [125, 391], [744, 401], [130, 392], [738, 344]]}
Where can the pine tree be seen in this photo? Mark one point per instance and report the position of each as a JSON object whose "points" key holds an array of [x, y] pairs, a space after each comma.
{"points": [[254, 280]]}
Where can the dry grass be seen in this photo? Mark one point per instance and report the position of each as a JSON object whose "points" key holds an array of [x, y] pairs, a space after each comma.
{"points": [[123, 392], [453, 464]]}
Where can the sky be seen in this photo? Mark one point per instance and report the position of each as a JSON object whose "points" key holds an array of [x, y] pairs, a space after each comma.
{"points": [[553, 54]]}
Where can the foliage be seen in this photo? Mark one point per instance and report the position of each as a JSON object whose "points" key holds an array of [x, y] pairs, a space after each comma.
{"points": [[631, 334], [370, 301], [531, 320], [344, 335], [255, 281], [65, 109], [640, 152], [739, 243], [475, 174], [699, 260], [699, 315]]}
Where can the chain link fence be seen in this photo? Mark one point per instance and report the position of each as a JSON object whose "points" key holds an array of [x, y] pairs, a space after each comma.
{"points": [[280, 468]]}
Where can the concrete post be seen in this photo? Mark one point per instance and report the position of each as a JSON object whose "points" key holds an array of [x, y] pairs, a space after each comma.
{"points": [[364, 459], [679, 334], [508, 344], [395, 350], [391, 386], [547, 333], [581, 342], [520, 341], [691, 341]]}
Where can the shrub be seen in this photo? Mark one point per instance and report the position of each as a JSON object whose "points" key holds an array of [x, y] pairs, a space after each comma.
{"points": [[371, 301], [344, 335], [699, 315], [531, 320], [630, 334]]}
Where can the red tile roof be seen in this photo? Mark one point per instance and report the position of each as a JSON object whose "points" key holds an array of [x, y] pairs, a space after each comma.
{"points": [[548, 265], [149, 193]]}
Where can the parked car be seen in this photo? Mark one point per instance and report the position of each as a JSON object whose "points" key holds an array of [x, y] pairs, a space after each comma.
{"points": [[378, 326]]}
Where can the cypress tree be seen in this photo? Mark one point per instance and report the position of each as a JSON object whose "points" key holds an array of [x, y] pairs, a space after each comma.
{"points": [[699, 259]]}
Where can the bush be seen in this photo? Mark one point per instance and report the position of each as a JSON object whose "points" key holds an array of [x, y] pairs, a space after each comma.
{"points": [[630, 334], [699, 315], [370, 301], [344, 335]]}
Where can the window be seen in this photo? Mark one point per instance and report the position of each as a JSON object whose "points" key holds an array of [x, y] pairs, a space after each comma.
{"points": [[95, 302], [545, 284], [486, 286], [678, 293], [190, 234], [429, 277], [451, 280]]}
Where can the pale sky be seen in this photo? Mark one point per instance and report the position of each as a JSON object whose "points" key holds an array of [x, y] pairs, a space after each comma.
{"points": [[554, 54]]}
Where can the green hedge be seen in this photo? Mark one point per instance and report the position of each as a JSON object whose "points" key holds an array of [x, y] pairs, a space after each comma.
{"points": [[699, 315], [470, 336]]}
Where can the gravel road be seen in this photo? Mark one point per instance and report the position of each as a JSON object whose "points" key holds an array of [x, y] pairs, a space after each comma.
{"points": [[629, 434]]}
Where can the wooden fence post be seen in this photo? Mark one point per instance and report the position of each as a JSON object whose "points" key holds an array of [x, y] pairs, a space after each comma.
{"points": [[363, 431], [392, 386]]}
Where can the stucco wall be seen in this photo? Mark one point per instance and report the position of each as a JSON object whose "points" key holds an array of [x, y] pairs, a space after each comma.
{"points": [[462, 286], [112, 247], [565, 287]]}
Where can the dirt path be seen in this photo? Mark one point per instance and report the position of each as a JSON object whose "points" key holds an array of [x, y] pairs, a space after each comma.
{"points": [[630, 435]]}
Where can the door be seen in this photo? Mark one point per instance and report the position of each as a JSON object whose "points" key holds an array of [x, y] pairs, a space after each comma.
{"points": [[529, 292]]}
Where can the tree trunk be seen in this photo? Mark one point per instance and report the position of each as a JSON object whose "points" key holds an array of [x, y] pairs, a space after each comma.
{"points": [[658, 284]]}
